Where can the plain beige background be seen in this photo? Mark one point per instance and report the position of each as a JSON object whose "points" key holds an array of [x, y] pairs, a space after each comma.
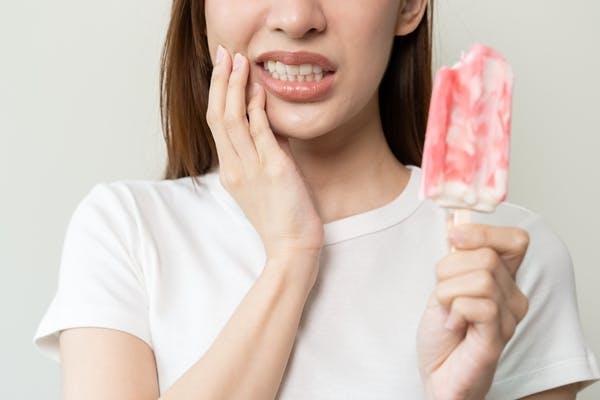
{"points": [[79, 105]]}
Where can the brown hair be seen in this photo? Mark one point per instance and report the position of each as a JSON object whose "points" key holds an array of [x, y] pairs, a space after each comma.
{"points": [[186, 67]]}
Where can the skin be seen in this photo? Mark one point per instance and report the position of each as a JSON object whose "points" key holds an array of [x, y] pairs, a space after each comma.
{"points": [[309, 173]]}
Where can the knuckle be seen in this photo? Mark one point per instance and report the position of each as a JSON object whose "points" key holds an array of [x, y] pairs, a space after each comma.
{"points": [[440, 294], [492, 310], [492, 265], [509, 327], [440, 271], [276, 168], [521, 240], [460, 304], [252, 131], [489, 258], [253, 106], [252, 172], [229, 121], [487, 283], [211, 117], [230, 179]]}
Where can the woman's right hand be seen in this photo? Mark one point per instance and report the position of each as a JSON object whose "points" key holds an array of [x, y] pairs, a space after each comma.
{"points": [[257, 167]]}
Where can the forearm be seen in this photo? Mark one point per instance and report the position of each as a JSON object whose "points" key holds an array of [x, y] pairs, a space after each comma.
{"points": [[248, 358]]}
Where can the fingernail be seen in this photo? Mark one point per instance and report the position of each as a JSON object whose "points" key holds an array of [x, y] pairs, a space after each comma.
{"points": [[254, 89], [237, 61], [220, 54]]}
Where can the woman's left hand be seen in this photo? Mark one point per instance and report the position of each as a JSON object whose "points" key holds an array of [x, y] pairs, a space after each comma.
{"points": [[476, 286]]}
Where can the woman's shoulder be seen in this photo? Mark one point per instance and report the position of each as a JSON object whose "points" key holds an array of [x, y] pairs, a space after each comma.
{"points": [[131, 201], [159, 187], [140, 191]]}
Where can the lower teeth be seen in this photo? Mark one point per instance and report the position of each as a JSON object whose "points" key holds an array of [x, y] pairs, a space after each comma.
{"points": [[298, 78]]}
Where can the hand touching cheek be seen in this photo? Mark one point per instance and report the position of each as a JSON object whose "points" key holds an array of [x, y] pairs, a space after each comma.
{"points": [[257, 167]]}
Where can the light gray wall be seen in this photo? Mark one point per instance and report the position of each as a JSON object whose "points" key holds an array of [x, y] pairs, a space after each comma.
{"points": [[79, 105]]}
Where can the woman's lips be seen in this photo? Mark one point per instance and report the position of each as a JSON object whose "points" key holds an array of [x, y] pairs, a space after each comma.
{"points": [[297, 91]]}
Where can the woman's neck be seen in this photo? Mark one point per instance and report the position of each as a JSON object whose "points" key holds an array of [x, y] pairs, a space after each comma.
{"points": [[350, 171]]}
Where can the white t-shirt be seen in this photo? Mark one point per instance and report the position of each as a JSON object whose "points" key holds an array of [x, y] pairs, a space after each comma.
{"points": [[169, 261]]}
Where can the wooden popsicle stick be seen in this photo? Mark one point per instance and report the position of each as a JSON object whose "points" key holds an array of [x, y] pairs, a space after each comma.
{"points": [[458, 216], [462, 216]]}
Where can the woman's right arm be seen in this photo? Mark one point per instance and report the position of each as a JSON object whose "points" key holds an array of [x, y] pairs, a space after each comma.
{"points": [[248, 358], [246, 361]]}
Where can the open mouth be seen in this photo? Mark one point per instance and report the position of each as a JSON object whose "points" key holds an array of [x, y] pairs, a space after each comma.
{"points": [[297, 76], [294, 73]]}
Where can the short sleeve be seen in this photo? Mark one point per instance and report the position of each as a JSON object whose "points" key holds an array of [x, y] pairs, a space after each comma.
{"points": [[548, 348], [100, 282]]}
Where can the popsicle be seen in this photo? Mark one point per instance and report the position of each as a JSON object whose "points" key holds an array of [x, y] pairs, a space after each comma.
{"points": [[467, 142]]}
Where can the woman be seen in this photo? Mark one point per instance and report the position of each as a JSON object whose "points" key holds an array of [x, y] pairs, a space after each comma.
{"points": [[289, 255]]}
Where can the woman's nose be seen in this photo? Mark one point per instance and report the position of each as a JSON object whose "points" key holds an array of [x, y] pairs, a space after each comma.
{"points": [[296, 18]]}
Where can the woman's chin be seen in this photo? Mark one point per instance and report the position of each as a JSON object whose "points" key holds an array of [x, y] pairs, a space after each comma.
{"points": [[298, 120], [296, 132], [293, 127]]}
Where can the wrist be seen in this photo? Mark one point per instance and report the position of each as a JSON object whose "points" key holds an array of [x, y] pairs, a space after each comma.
{"points": [[291, 253], [294, 270]]}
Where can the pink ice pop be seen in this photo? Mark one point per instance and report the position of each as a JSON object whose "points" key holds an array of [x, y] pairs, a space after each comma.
{"points": [[467, 143]]}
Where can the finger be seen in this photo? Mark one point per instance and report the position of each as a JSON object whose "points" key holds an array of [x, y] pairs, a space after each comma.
{"points": [[236, 122], [515, 301], [260, 129], [456, 277], [480, 283], [216, 108], [463, 261], [485, 314], [511, 243], [467, 310]]}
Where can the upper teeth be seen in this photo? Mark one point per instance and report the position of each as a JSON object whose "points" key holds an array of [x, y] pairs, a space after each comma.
{"points": [[304, 72]]}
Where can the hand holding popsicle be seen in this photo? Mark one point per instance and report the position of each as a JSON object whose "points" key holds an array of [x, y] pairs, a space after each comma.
{"points": [[476, 305], [476, 283]]}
